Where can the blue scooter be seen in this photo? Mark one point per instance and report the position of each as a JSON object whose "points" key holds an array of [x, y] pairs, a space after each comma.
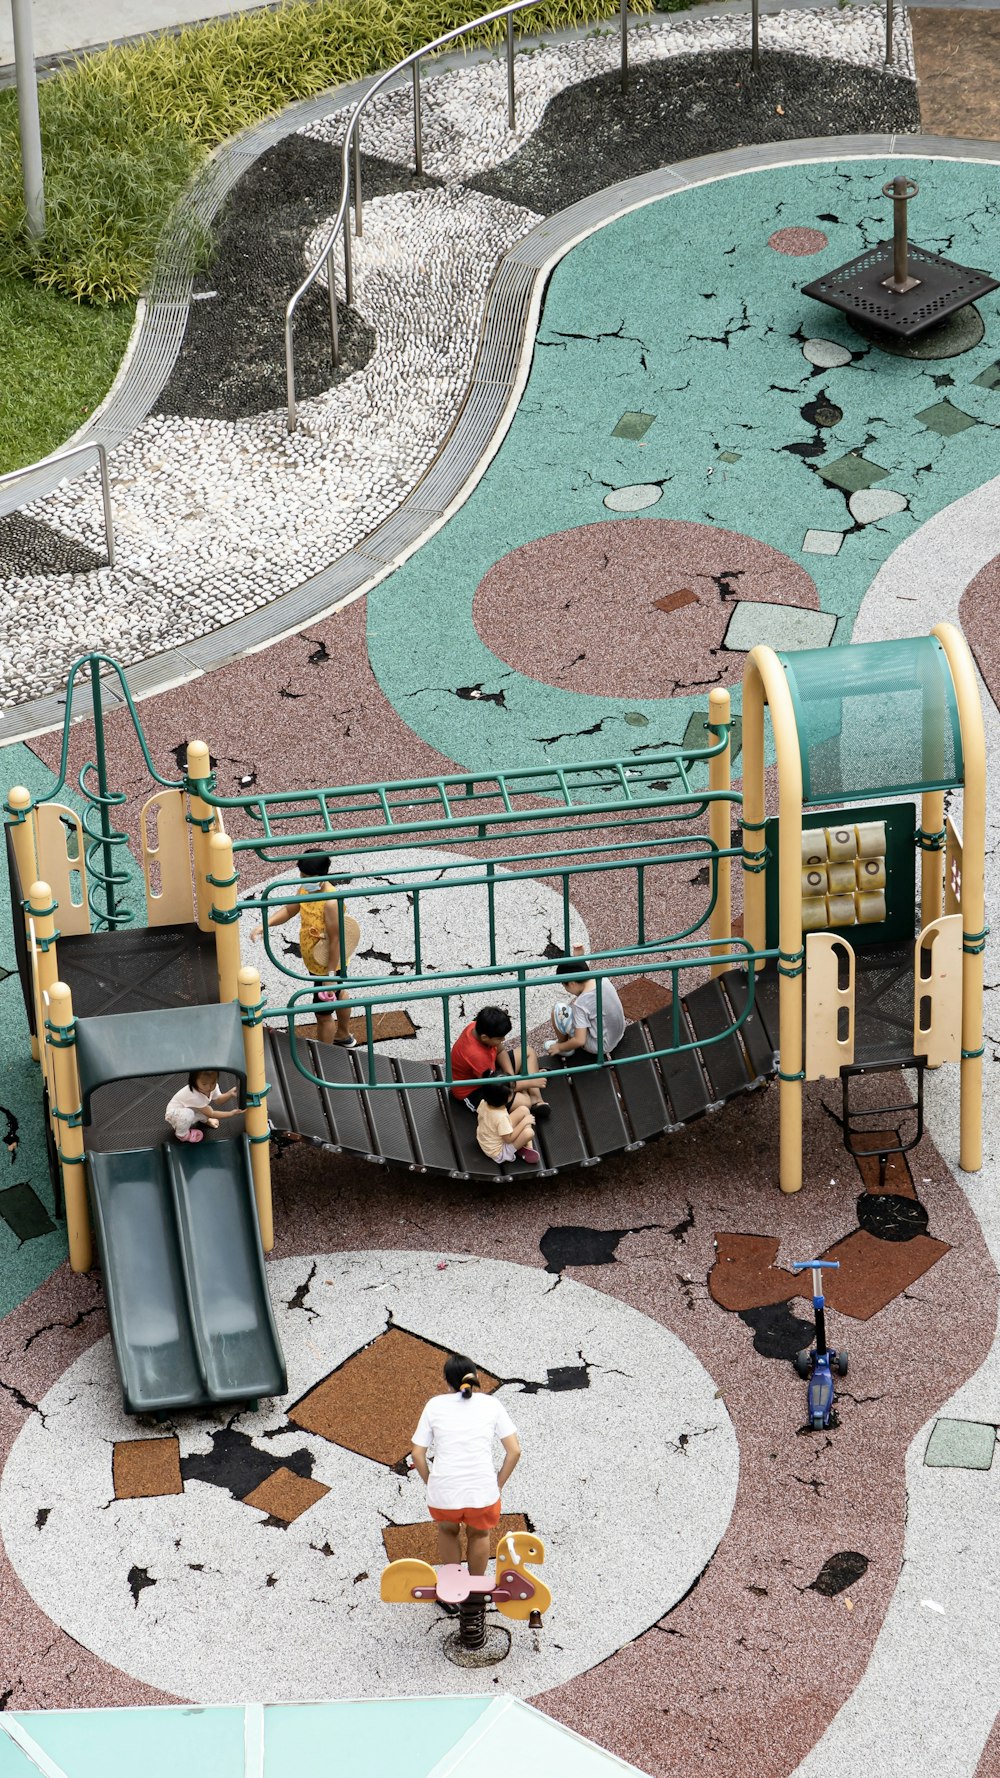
{"points": [[819, 1362]]}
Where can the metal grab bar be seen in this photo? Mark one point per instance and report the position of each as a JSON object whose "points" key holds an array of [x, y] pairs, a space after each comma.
{"points": [[64, 457], [351, 161]]}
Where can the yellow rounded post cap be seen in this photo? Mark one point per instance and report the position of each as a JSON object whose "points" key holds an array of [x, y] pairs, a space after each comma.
{"points": [[19, 797]]}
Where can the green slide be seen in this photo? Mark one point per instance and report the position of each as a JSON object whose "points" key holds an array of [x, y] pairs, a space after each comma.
{"points": [[187, 1297]]}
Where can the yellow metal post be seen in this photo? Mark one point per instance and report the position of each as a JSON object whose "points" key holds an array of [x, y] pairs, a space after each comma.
{"points": [[61, 1038], [932, 801], [720, 920], [251, 1006], [754, 917], [23, 839], [222, 882], [931, 857], [765, 679], [40, 914], [203, 822], [970, 715]]}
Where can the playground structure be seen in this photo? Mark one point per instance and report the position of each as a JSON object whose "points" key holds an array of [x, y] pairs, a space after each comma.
{"points": [[515, 1593], [831, 976]]}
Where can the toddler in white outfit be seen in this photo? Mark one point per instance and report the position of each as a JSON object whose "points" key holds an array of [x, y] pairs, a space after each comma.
{"points": [[198, 1103]]}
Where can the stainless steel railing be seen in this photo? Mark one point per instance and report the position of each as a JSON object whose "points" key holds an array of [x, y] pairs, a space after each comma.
{"points": [[351, 163], [351, 157], [46, 463]]}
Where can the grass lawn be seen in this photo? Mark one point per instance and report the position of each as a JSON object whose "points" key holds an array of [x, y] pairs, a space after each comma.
{"points": [[59, 359]]}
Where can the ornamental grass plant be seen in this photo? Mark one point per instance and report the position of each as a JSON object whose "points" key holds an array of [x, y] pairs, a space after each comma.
{"points": [[124, 129]]}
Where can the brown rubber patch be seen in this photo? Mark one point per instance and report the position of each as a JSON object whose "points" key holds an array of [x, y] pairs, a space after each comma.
{"points": [[285, 1495], [372, 1403], [744, 1275], [898, 1178], [385, 1025], [143, 1467], [872, 1272], [420, 1540], [641, 997], [677, 601]]}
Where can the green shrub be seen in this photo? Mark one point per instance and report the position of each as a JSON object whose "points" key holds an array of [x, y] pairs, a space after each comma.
{"points": [[124, 129]]}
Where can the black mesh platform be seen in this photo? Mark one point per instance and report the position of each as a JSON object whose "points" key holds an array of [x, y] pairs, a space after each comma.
{"points": [[883, 1003], [129, 1114], [139, 971]]}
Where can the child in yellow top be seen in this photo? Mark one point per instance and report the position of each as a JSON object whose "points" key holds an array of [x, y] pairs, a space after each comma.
{"points": [[319, 942], [501, 1128]]}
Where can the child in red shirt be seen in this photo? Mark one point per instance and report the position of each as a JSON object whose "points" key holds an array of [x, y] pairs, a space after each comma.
{"points": [[478, 1053]]}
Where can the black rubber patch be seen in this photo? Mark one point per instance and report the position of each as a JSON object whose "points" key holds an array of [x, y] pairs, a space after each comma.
{"points": [[236, 1464], [24, 1213], [839, 1572], [138, 1579], [568, 1376], [29, 547], [232, 361], [575, 1245], [822, 412], [777, 1333], [891, 1218], [593, 135]]}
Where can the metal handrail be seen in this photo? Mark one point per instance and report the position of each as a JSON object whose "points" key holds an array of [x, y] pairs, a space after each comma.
{"points": [[63, 456], [351, 153]]}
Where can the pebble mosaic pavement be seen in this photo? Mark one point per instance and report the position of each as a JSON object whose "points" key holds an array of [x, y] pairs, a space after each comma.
{"points": [[751, 1610]]}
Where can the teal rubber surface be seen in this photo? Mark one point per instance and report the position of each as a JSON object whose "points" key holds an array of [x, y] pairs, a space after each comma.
{"points": [[682, 310]]}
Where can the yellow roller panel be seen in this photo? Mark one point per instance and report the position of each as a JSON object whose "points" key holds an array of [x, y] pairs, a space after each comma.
{"points": [[814, 913], [871, 839], [842, 878], [842, 843], [840, 910], [870, 907], [814, 881], [813, 847], [400, 1578], [870, 873]]}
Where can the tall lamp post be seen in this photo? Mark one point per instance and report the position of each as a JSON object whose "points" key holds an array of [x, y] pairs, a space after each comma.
{"points": [[27, 111]]}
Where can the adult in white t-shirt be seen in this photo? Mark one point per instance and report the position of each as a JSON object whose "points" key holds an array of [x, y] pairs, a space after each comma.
{"points": [[453, 1452]]}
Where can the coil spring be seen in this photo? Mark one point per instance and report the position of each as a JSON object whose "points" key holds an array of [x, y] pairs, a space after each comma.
{"points": [[101, 881]]}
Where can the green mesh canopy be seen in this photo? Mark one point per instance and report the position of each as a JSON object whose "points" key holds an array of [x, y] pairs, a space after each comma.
{"points": [[875, 719]]}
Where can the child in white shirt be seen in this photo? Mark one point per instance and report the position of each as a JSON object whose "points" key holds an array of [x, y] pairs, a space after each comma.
{"points": [[501, 1128], [187, 1109]]}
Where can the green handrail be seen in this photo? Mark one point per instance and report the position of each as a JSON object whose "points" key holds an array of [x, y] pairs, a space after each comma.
{"points": [[741, 955], [281, 894]]}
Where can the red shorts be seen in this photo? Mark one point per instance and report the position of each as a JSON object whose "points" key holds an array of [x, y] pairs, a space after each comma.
{"points": [[477, 1518]]}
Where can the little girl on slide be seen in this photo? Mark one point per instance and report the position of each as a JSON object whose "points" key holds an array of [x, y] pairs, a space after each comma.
{"points": [[198, 1103]]}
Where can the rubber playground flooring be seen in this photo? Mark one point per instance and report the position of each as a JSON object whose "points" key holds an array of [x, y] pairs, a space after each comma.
{"points": [[680, 374], [683, 478]]}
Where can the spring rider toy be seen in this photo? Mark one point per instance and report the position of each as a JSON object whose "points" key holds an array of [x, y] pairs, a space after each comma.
{"points": [[515, 1593]]}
